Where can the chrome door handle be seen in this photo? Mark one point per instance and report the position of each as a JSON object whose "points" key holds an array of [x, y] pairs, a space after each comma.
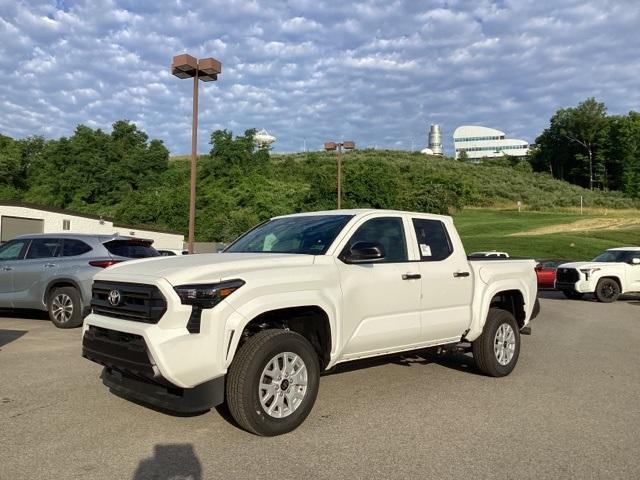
{"points": [[411, 276], [461, 274], [49, 265]]}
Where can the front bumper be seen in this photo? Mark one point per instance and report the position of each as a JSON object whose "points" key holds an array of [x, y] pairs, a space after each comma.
{"points": [[184, 400], [131, 372], [580, 286]]}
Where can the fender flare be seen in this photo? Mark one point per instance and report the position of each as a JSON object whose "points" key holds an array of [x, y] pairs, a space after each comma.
{"points": [[477, 324], [55, 281], [247, 312]]}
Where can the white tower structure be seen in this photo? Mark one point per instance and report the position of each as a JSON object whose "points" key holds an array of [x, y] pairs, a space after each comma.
{"points": [[435, 139], [263, 139]]}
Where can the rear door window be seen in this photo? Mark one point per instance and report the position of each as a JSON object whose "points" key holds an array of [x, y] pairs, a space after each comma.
{"points": [[72, 247], [433, 240], [131, 249], [44, 248]]}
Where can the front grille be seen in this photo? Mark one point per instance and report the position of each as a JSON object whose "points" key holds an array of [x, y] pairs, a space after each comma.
{"points": [[124, 351], [567, 275], [137, 302]]}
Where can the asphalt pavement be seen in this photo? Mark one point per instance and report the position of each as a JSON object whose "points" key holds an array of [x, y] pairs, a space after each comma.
{"points": [[570, 409]]}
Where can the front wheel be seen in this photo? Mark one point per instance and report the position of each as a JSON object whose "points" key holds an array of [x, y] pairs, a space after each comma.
{"points": [[496, 350], [607, 290], [65, 307], [573, 295], [273, 382]]}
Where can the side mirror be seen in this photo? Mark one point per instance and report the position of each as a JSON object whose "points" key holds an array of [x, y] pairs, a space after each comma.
{"points": [[363, 252], [538, 267], [635, 261]]}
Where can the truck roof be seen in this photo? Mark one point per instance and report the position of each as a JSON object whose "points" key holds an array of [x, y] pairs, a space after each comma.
{"points": [[362, 212], [627, 249]]}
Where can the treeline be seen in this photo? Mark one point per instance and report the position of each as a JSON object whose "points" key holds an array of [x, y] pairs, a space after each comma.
{"points": [[125, 175], [585, 146], [90, 168]]}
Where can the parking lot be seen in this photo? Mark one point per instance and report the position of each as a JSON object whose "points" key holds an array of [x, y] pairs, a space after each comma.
{"points": [[569, 410]]}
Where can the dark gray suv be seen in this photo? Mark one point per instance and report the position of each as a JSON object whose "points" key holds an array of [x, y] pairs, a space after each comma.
{"points": [[54, 272]]}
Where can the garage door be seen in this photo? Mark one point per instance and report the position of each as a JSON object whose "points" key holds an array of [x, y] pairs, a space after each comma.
{"points": [[11, 227]]}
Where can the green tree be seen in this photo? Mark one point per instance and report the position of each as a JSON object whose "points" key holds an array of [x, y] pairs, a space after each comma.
{"points": [[582, 126], [10, 166]]}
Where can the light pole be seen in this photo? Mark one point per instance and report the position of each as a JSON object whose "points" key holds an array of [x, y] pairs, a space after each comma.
{"points": [[347, 145], [207, 70]]}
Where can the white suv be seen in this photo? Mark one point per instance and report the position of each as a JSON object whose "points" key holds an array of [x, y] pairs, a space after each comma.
{"points": [[610, 274]]}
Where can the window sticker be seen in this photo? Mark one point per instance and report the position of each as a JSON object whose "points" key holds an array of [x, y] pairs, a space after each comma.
{"points": [[425, 250]]}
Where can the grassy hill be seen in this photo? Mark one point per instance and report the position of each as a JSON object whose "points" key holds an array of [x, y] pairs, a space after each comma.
{"points": [[547, 234], [481, 185]]}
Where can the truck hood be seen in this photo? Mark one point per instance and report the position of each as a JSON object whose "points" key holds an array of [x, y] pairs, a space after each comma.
{"points": [[579, 265], [201, 268]]}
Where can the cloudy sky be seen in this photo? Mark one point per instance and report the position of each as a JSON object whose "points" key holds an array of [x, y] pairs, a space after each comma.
{"points": [[377, 71]]}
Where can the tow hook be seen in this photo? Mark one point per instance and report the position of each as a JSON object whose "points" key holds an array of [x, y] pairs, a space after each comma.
{"points": [[525, 330]]}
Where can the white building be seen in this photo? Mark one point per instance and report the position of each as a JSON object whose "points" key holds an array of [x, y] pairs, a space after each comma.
{"points": [[479, 142], [18, 218]]}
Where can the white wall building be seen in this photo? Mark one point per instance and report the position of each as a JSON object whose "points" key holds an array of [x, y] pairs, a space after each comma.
{"points": [[481, 142], [17, 218]]}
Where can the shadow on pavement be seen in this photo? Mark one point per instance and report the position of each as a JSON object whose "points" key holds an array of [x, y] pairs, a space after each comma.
{"points": [[8, 336], [171, 461], [24, 314], [588, 297]]}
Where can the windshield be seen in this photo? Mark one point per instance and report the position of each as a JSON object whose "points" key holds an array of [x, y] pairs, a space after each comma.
{"points": [[614, 256], [311, 235]]}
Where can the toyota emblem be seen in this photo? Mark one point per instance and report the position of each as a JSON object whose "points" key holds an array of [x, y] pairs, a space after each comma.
{"points": [[114, 298]]}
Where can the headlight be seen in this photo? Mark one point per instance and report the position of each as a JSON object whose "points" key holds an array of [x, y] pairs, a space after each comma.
{"points": [[207, 295], [588, 272]]}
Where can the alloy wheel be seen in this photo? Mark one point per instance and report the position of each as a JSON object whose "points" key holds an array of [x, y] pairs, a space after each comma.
{"points": [[62, 308], [283, 385], [504, 345]]}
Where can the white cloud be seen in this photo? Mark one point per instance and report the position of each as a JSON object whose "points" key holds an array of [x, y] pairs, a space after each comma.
{"points": [[378, 71]]}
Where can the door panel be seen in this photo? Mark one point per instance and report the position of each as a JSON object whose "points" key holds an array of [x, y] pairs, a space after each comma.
{"points": [[447, 284], [30, 277], [380, 308], [10, 257]]}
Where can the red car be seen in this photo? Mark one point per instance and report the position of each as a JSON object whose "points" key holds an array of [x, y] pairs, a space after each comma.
{"points": [[546, 271]]}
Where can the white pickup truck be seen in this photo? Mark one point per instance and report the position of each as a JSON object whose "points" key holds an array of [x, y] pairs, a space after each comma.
{"points": [[613, 272], [257, 324]]}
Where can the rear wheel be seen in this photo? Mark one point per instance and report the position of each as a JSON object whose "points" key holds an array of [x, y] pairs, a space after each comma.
{"points": [[607, 290], [273, 382], [573, 295], [496, 350], [65, 307]]}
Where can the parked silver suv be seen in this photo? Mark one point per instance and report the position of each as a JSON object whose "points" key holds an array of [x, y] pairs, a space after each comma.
{"points": [[54, 272]]}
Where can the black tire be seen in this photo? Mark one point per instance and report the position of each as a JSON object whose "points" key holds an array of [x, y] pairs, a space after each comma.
{"points": [[243, 380], [573, 295], [607, 290], [62, 295], [484, 352]]}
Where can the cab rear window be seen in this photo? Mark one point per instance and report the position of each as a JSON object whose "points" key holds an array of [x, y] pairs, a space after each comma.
{"points": [[131, 249]]}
